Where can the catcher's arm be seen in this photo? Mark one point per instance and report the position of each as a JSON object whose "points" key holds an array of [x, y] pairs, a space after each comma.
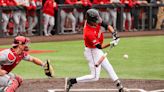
{"points": [[48, 69]]}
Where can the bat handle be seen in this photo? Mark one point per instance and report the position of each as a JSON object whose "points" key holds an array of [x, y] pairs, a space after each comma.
{"points": [[101, 60]]}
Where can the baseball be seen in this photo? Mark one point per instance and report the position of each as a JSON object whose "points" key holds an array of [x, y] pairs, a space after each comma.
{"points": [[125, 56]]}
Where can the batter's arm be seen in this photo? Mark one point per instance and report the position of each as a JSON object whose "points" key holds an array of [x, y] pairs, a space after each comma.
{"points": [[103, 46], [107, 27]]}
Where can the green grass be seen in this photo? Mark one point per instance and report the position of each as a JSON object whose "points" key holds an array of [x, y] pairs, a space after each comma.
{"points": [[146, 59]]}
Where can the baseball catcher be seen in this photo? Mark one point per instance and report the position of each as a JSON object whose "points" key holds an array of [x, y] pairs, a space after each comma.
{"points": [[10, 58]]}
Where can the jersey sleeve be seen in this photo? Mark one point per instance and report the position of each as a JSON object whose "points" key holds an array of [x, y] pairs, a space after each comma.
{"points": [[105, 25], [26, 57]]}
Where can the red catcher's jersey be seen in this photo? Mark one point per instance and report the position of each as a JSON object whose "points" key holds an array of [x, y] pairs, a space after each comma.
{"points": [[9, 59], [92, 36]]}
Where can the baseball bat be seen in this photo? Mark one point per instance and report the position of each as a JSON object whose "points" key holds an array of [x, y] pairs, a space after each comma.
{"points": [[101, 60], [102, 57]]}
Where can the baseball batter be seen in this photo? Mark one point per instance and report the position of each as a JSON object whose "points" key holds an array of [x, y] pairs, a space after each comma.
{"points": [[9, 59], [93, 40]]}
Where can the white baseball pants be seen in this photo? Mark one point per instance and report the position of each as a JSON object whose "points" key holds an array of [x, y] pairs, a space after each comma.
{"points": [[5, 18], [127, 15], [48, 21], [63, 18], [92, 56], [113, 15], [33, 20]]}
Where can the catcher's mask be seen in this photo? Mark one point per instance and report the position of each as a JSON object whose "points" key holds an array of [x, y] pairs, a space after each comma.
{"points": [[21, 40], [92, 16]]}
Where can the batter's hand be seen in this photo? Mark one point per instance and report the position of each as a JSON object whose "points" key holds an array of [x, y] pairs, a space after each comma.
{"points": [[49, 71], [114, 42], [115, 35]]}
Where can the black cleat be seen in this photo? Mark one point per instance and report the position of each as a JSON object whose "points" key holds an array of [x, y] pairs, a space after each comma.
{"points": [[69, 85], [123, 90]]}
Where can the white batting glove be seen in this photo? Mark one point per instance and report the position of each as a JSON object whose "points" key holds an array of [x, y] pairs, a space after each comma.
{"points": [[114, 42]]}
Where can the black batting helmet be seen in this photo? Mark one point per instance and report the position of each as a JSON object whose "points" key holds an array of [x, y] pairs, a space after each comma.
{"points": [[92, 15]]}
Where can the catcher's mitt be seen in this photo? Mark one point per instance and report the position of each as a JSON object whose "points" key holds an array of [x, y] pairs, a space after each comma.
{"points": [[48, 69]]}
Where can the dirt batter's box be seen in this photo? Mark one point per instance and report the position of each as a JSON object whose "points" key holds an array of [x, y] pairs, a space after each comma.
{"points": [[94, 90]]}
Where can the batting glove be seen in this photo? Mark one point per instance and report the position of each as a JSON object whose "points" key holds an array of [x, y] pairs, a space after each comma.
{"points": [[115, 36], [114, 42]]}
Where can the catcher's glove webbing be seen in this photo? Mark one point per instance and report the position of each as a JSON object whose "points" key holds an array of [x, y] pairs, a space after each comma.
{"points": [[49, 71]]}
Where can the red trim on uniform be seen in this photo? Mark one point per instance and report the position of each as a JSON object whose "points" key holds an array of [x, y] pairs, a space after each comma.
{"points": [[11, 57]]}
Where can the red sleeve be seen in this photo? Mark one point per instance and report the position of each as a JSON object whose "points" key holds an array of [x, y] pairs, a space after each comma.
{"points": [[95, 1], [122, 1], [130, 3], [2, 2], [106, 1], [86, 3], [68, 2], [12, 3]]}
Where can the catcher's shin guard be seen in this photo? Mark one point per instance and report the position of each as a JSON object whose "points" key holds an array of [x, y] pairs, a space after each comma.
{"points": [[19, 79], [12, 86]]}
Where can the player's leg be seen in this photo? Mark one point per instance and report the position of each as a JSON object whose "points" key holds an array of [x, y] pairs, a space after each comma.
{"points": [[106, 17], [46, 21], [109, 69], [17, 77], [76, 14], [8, 84], [73, 20], [102, 15], [23, 22], [114, 17], [124, 20], [63, 17], [81, 17], [128, 14], [35, 21], [81, 21], [51, 22], [30, 21], [5, 18], [92, 57], [16, 18]]}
